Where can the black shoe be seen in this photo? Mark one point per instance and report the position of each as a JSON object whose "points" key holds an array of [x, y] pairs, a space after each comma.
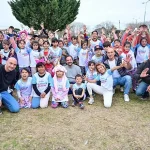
{"points": [[74, 104], [145, 96], [1, 111], [81, 106]]}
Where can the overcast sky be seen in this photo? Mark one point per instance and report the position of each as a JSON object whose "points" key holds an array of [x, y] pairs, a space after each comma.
{"points": [[93, 12]]}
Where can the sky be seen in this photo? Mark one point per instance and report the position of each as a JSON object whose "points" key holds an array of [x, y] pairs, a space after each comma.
{"points": [[93, 12]]}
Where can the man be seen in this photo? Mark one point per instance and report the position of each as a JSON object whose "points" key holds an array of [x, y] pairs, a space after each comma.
{"points": [[8, 77], [143, 74], [120, 76], [72, 71]]}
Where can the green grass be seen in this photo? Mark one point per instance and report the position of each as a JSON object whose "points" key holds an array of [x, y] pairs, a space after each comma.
{"points": [[124, 126]]}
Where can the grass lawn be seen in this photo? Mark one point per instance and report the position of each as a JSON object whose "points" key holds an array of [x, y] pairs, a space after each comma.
{"points": [[125, 126]]}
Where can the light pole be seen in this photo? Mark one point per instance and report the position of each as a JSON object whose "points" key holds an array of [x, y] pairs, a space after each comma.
{"points": [[145, 9]]}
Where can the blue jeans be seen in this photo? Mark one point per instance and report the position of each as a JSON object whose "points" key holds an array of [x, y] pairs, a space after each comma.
{"points": [[10, 102], [140, 91], [123, 81]]}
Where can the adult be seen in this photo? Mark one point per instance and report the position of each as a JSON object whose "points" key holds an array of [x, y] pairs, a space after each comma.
{"points": [[143, 74], [120, 76], [72, 71], [8, 77]]}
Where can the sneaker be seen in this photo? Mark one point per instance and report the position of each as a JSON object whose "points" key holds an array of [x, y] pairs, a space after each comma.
{"points": [[81, 106], [126, 98], [1, 111], [121, 89], [145, 96], [73, 104], [91, 101]]}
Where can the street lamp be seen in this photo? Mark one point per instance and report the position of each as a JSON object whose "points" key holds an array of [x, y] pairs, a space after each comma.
{"points": [[145, 8]]}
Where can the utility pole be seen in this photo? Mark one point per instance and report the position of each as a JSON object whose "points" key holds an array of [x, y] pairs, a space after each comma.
{"points": [[119, 24]]}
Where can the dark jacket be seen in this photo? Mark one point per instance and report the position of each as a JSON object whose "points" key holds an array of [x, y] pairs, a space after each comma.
{"points": [[122, 71], [140, 68]]}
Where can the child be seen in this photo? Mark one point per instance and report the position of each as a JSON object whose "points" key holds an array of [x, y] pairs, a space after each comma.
{"points": [[24, 89], [34, 56], [72, 50], [60, 87], [55, 52], [22, 53], [64, 53], [5, 53], [117, 47], [128, 52], [106, 88], [98, 57], [41, 87], [47, 58], [142, 51], [82, 54], [91, 74], [78, 91]]}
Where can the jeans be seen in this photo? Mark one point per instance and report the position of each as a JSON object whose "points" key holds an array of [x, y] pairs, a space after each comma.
{"points": [[40, 102], [10, 102], [123, 81], [141, 90]]}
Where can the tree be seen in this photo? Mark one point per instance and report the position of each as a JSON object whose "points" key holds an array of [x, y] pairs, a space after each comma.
{"points": [[55, 14]]}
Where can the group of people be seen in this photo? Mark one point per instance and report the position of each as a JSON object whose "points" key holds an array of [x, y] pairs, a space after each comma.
{"points": [[38, 66]]}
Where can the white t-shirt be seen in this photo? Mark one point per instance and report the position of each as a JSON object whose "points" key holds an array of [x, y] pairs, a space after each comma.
{"points": [[133, 61], [106, 79], [41, 82], [25, 88], [34, 55], [97, 59], [23, 57], [94, 43], [82, 57], [142, 54], [112, 64], [73, 50], [5, 54], [91, 75]]}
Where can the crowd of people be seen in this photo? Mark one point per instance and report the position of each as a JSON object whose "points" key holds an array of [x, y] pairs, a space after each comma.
{"points": [[38, 66]]}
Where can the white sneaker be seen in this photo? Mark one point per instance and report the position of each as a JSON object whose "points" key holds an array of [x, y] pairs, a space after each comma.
{"points": [[126, 98], [91, 101], [121, 89]]}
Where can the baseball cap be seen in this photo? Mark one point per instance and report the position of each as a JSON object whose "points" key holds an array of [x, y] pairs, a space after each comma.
{"points": [[98, 47]]}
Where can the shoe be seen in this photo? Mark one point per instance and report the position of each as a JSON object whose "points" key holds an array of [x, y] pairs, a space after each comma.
{"points": [[1, 111], [74, 104], [145, 96], [81, 106], [126, 98], [91, 101], [121, 89]]}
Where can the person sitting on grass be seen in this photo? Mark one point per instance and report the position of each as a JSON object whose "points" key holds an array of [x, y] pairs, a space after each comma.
{"points": [[120, 76], [41, 82], [60, 87], [106, 88], [78, 91], [143, 74], [24, 89]]}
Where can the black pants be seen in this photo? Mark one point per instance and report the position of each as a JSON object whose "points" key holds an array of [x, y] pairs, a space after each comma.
{"points": [[78, 92]]}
